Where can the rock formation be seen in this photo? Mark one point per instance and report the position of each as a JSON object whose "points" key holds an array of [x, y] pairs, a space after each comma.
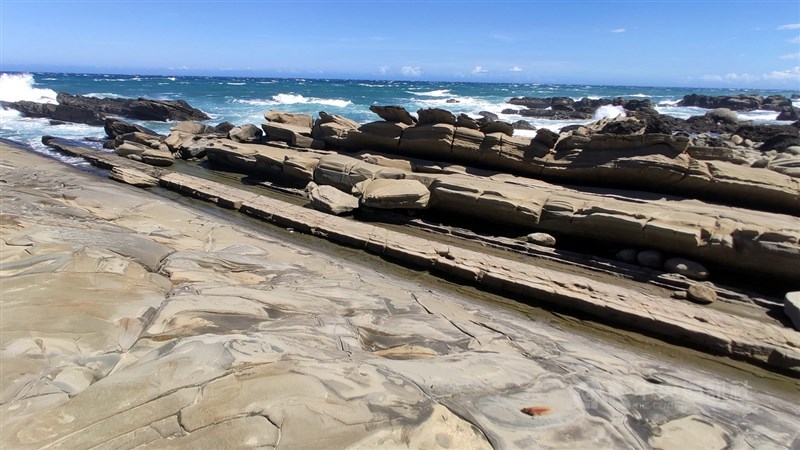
{"points": [[94, 111]]}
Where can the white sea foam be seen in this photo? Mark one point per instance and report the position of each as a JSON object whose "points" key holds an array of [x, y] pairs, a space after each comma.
{"points": [[235, 84], [103, 95], [295, 99], [758, 115], [436, 93], [638, 95], [171, 78], [668, 102], [291, 99], [20, 86], [608, 111]]}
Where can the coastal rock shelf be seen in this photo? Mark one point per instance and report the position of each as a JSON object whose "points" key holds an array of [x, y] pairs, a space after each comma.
{"points": [[746, 240], [195, 332], [608, 302]]}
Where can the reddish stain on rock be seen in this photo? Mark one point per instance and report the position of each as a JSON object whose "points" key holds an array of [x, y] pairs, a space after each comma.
{"points": [[536, 410]]}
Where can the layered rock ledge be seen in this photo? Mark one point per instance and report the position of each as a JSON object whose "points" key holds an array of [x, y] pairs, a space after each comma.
{"points": [[130, 320]]}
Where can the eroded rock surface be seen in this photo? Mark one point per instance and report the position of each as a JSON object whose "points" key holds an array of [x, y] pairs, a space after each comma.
{"points": [[196, 332]]}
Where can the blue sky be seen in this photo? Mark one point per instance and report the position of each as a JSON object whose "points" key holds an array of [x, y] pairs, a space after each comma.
{"points": [[644, 42]]}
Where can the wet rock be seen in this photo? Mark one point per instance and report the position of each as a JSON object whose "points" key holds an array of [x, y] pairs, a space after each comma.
{"points": [[687, 268], [544, 239], [723, 115], [702, 294]]}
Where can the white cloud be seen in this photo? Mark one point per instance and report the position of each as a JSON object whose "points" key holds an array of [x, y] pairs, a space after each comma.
{"points": [[795, 55], [618, 30], [711, 78], [790, 26], [411, 71], [745, 77], [515, 69], [383, 69], [179, 68], [792, 74], [478, 69], [795, 40]]}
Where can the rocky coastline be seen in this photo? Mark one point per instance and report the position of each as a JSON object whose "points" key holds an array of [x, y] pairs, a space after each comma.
{"points": [[684, 230]]}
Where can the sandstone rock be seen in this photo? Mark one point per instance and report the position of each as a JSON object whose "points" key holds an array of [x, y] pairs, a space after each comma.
{"points": [[428, 140], [295, 119], [294, 135], [690, 432], [128, 149], [115, 127], [652, 259], [498, 127], [702, 294], [331, 200], [178, 140], [345, 172], [465, 121], [382, 135], [139, 138], [435, 116], [246, 133], [791, 306], [393, 114], [224, 128], [395, 194], [687, 268], [332, 129], [300, 167], [132, 177], [158, 158], [193, 128], [544, 239]]}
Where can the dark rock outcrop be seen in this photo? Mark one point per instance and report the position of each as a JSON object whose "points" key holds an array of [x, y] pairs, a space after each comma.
{"points": [[93, 111], [116, 127], [742, 102]]}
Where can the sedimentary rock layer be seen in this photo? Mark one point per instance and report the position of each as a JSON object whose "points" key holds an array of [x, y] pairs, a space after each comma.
{"points": [[196, 332]]}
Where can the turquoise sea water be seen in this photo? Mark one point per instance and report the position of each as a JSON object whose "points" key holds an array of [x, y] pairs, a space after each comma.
{"points": [[245, 100]]}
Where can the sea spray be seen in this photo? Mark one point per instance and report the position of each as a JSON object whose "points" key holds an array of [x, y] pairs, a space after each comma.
{"points": [[15, 87]]}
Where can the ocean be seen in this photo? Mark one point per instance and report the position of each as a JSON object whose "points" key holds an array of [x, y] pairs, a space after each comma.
{"points": [[241, 100]]}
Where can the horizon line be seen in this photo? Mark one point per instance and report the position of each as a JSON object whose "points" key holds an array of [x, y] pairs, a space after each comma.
{"points": [[165, 73]]}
